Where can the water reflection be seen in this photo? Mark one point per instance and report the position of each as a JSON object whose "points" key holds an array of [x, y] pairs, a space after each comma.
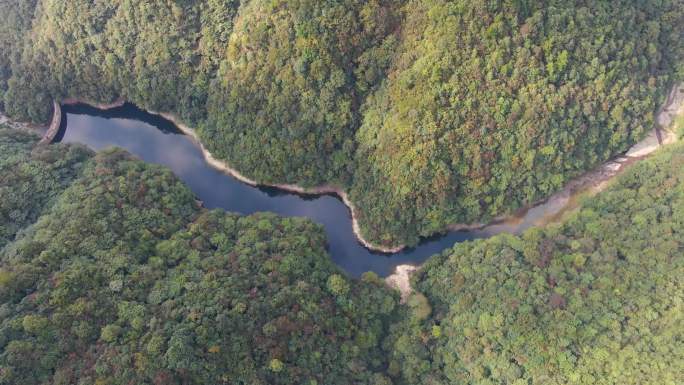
{"points": [[156, 140]]}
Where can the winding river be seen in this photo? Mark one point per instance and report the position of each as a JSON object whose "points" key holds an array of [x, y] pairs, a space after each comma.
{"points": [[157, 140]]}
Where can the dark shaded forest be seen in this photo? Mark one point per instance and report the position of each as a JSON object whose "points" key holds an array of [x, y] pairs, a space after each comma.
{"points": [[427, 112]]}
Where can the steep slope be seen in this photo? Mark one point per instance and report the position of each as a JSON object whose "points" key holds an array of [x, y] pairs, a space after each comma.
{"points": [[284, 107], [490, 106], [31, 179], [125, 279], [427, 113], [16, 21], [596, 300]]}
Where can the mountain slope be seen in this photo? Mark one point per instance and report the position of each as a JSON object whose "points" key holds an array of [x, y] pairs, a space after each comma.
{"points": [[594, 300], [125, 279], [427, 112]]}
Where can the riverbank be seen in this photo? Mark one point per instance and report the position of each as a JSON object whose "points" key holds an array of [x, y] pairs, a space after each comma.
{"points": [[593, 181], [226, 168], [321, 190], [590, 183], [513, 223], [401, 280]]}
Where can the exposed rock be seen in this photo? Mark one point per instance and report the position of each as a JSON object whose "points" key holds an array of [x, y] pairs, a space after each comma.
{"points": [[401, 280]]}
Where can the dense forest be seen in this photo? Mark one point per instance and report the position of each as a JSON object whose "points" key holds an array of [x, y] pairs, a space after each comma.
{"points": [[491, 105], [116, 275], [595, 300], [32, 179], [678, 126], [428, 112]]}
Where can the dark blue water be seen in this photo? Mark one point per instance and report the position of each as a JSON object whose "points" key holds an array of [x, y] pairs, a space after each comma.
{"points": [[156, 140]]}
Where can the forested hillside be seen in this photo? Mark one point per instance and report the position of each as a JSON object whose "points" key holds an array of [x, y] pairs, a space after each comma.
{"points": [[596, 300], [32, 179], [124, 279], [16, 20], [115, 275], [429, 112], [491, 105]]}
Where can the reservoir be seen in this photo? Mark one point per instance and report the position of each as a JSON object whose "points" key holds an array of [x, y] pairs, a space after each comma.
{"points": [[156, 140]]}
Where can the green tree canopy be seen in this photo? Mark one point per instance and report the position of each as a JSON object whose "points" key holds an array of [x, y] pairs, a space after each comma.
{"points": [[427, 112]]}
